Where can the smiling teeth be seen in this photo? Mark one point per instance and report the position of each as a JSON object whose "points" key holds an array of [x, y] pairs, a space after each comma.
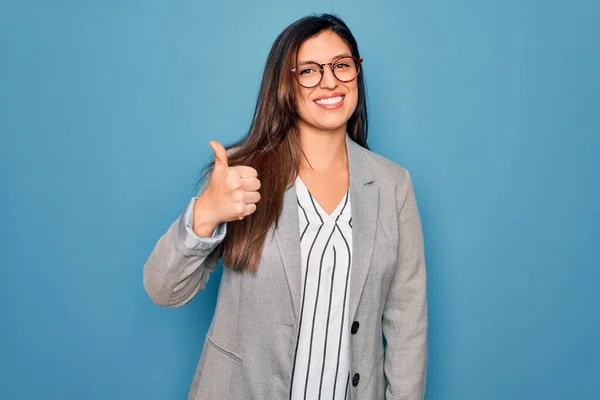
{"points": [[331, 100]]}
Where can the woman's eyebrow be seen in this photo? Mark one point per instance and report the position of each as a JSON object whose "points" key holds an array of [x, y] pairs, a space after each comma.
{"points": [[332, 58]]}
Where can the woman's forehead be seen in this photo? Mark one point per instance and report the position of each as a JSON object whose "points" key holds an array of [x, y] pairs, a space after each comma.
{"points": [[323, 48]]}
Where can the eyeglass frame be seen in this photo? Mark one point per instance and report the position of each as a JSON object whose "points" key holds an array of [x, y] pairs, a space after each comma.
{"points": [[358, 61]]}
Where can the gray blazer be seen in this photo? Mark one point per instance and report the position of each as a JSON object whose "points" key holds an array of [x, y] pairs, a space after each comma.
{"points": [[249, 349]]}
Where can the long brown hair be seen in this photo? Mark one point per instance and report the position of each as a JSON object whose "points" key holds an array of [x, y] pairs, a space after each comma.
{"points": [[272, 144]]}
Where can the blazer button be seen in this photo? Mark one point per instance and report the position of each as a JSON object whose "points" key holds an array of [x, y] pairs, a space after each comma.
{"points": [[354, 328], [355, 380]]}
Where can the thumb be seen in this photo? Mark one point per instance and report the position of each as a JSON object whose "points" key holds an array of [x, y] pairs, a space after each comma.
{"points": [[220, 153]]}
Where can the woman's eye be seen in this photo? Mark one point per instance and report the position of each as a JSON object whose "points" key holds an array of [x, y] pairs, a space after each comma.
{"points": [[307, 71]]}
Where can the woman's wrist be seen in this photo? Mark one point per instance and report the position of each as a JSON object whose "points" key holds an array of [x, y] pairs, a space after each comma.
{"points": [[205, 220]]}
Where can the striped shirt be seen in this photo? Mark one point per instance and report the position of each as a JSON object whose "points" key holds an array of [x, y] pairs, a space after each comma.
{"points": [[322, 356]]}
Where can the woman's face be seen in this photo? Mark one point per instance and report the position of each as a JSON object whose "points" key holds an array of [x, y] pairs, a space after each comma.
{"points": [[329, 105]]}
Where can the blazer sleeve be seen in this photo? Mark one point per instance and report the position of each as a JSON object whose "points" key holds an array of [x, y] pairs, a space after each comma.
{"points": [[181, 262], [405, 310]]}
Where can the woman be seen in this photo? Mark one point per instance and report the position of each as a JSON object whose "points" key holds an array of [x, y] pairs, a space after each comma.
{"points": [[320, 238]]}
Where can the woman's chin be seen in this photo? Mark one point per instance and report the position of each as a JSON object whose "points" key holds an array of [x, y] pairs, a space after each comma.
{"points": [[332, 126]]}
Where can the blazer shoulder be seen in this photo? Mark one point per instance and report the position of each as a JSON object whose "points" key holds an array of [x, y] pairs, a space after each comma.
{"points": [[391, 177], [386, 170]]}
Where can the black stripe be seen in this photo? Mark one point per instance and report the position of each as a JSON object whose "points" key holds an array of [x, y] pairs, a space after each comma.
{"points": [[346, 198], [302, 309], [312, 330], [350, 222], [343, 207], [343, 307], [347, 385], [315, 206], [305, 216], [327, 325]]}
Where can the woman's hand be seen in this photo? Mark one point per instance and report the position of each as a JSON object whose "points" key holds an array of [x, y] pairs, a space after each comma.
{"points": [[231, 194]]}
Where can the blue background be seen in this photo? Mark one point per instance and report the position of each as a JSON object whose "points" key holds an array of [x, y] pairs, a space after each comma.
{"points": [[106, 110]]}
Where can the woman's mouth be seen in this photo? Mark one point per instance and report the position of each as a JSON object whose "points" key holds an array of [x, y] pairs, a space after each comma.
{"points": [[330, 102]]}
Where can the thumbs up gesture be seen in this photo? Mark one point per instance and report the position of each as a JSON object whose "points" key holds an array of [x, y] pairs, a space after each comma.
{"points": [[231, 194]]}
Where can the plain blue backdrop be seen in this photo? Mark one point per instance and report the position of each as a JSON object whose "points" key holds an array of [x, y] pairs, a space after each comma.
{"points": [[106, 110]]}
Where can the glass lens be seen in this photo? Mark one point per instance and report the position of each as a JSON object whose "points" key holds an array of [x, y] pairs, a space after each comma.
{"points": [[309, 74], [346, 69]]}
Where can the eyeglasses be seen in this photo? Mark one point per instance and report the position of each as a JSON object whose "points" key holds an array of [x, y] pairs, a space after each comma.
{"points": [[310, 73]]}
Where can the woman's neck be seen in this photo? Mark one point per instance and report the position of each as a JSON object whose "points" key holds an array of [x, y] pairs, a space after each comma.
{"points": [[323, 151]]}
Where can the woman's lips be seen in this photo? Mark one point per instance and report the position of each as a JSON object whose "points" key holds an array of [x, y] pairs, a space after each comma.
{"points": [[329, 103]]}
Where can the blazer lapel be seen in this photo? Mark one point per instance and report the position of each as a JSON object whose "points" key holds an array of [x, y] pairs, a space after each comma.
{"points": [[364, 197], [287, 236]]}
